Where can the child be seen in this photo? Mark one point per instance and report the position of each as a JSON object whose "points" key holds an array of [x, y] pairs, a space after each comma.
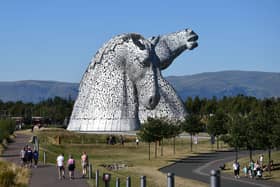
{"points": [[245, 171]]}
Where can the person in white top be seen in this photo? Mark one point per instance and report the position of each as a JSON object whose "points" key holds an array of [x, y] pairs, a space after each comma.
{"points": [[137, 141], [261, 160], [60, 166], [84, 160], [236, 168]]}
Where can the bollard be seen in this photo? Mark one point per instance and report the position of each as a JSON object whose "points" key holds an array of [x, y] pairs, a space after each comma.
{"points": [[143, 181], [90, 171], [215, 180], [106, 179], [44, 158], [170, 180], [96, 178], [128, 182], [118, 184]]}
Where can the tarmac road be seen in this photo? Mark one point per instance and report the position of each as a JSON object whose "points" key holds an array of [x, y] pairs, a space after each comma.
{"points": [[199, 167]]}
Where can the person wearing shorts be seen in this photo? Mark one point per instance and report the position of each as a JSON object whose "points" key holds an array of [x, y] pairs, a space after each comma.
{"points": [[84, 161], [71, 167], [60, 166]]}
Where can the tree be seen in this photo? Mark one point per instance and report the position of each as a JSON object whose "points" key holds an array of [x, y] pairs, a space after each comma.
{"points": [[193, 125], [7, 127], [217, 125], [265, 125], [173, 130], [153, 130], [236, 136]]}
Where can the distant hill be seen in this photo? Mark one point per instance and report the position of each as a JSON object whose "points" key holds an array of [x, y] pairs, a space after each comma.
{"points": [[35, 91], [219, 84], [227, 83]]}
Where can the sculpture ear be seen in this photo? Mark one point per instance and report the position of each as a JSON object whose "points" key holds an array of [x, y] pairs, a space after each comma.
{"points": [[154, 40]]}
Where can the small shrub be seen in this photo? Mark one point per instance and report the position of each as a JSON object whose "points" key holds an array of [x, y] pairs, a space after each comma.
{"points": [[12, 175], [7, 178]]}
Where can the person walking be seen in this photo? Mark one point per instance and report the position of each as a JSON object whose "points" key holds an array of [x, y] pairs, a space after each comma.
{"points": [[84, 161], [137, 141], [261, 158], [35, 158], [22, 156], [60, 166], [236, 169], [29, 155], [71, 166]]}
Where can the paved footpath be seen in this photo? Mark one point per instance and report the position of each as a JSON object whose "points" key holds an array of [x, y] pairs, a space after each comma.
{"points": [[44, 175], [199, 167]]}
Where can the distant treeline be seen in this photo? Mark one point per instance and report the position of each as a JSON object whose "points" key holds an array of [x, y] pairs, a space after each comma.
{"points": [[57, 109], [53, 111]]}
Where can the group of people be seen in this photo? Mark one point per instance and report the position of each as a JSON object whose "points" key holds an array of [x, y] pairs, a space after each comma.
{"points": [[27, 156], [111, 140], [71, 165], [252, 170]]}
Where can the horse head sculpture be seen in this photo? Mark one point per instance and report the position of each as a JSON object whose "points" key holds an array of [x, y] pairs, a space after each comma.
{"points": [[123, 84]]}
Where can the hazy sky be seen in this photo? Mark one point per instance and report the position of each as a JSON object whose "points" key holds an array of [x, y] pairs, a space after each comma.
{"points": [[56, 39]]}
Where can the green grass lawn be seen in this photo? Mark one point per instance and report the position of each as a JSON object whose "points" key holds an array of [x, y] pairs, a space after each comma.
{"points": [[135, 159]]}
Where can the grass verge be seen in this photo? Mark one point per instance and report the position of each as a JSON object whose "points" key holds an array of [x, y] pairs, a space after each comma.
{"points": [[132, 160]]}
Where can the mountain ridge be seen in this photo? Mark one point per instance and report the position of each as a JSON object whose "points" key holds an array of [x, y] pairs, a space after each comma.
{"points": [[207, 84]]}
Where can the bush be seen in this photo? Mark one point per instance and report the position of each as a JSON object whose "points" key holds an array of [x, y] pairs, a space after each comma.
{"points": [[7, 176], [7, 127], [12, 175]]}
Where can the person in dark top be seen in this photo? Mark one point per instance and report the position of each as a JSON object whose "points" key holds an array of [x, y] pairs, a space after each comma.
{"points": [[29, 155], [36, 158]]}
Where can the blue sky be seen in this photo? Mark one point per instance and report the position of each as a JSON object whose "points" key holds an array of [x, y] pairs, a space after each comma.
{"points": [[55, 39]]}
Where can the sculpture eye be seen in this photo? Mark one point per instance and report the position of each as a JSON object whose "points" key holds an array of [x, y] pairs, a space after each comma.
{"points": [[139, 43]]}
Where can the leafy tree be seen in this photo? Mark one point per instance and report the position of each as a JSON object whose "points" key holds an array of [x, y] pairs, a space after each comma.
{"points": [[153, 130], [173, 129], [265, 125], [7, 127], [193, 125], [217, 125], [236, 136]]}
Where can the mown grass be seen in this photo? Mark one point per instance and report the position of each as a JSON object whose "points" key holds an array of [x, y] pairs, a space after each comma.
{"points": [[12, 175], [134, 158], [275, 173]]}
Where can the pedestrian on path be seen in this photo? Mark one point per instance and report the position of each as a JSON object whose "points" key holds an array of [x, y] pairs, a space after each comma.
{"points": [[137, 141], [84, 160], [29, 155], [22, 156], [236, 169], [261, 158], [71, 167], [60, 166], [35, 158], [245, 171]]}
